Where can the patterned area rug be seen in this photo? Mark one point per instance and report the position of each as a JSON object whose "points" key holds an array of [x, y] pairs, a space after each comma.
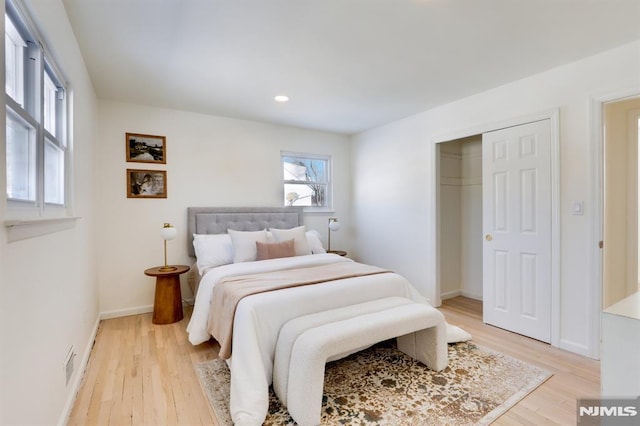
{"points": [[383, 386]]}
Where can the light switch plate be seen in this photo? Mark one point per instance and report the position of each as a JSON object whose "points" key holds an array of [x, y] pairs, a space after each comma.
{"points": [[577, 208]]}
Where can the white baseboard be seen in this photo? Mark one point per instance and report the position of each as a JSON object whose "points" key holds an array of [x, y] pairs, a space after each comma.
{"points": [[576, 348], [75, 384], [136, 311], [456, 293], [126, 312], [450, 294], [472, 295]]}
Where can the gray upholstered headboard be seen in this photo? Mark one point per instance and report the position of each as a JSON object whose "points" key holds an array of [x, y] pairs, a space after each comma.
{"points": [[216, 220]]}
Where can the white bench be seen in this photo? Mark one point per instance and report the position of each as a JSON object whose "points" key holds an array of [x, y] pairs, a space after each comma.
{"points": [[306, 343]]}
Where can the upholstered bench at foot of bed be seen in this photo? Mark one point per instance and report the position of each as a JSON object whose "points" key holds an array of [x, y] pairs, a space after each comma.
{"points": [[306, 343]]}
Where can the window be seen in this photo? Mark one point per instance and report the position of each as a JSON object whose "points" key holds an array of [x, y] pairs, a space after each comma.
{"points": [[14, 58], [36, 147], [306, 180]]}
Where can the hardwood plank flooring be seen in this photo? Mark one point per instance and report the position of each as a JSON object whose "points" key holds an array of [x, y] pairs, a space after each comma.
{"points": [[140, 373], [554, 402]]}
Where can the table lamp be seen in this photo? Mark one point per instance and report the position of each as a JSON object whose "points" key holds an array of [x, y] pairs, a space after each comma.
{"points": [[334, 225], [168, 232]]}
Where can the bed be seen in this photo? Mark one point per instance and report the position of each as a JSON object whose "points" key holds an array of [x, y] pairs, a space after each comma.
{"points": [[259, 317]]}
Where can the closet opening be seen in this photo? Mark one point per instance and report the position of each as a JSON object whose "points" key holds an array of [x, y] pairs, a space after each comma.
{"points": [[460, 212]]}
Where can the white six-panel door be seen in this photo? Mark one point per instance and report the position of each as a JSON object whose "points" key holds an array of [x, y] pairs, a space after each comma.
{"points": [[516, 185]]}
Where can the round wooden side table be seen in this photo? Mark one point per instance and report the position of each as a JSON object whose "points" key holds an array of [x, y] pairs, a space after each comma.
{"points": [[167, 304]]}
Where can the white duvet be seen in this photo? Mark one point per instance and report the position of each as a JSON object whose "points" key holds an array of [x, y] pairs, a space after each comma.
{"points": [[259, 318]]}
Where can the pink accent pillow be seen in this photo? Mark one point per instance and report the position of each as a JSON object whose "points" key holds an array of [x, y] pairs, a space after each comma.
{"points": [[275, 250]]}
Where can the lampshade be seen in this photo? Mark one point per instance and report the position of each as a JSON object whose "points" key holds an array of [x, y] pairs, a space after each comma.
{"points": [[168, 232]]}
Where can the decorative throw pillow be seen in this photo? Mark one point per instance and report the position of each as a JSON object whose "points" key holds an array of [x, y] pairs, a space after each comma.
{"points": [[299, 236], [314, 242], [244, 244], [275, 250], [212, 250]]}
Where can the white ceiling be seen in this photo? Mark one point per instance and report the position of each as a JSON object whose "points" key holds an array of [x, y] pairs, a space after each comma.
{"points": [[347, 65]]}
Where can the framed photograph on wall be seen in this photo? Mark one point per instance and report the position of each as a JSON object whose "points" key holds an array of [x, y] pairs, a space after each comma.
{"points": [[146, 183], [146, 148]]}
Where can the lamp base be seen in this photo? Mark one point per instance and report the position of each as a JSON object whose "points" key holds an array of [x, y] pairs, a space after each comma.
{"points": [[167, 268]]}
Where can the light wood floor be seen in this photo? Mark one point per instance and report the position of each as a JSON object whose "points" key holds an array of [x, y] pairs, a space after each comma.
{"points": [[554, 402], [142, 374]]}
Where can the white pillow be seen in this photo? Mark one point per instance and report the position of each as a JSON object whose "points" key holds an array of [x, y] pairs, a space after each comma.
{"points": [[244, 244], [315, 245], [212, 250], [299, 238], [456, 334]]}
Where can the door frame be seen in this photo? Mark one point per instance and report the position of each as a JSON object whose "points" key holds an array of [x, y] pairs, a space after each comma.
{"points": [[596, 165], [553, 115]]}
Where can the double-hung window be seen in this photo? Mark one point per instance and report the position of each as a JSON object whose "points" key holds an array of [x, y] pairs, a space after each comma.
{"points": [[306, 180], [36, 137]]}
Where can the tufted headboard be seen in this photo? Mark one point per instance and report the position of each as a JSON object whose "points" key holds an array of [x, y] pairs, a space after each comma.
{"points": [[217, 220]]}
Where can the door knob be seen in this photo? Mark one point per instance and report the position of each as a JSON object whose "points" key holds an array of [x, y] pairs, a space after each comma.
{"points": [[488, 237]]}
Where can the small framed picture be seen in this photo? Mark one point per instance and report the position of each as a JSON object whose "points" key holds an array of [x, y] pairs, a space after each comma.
{"points": [[146, 183], [146, 148]]}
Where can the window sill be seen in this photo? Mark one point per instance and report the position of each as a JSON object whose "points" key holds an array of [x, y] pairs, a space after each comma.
{"points": [[318, 211], [22, 229]]}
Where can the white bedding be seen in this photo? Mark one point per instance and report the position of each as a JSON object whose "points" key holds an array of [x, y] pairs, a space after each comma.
{"points": [[259, 318], [197, 327]]}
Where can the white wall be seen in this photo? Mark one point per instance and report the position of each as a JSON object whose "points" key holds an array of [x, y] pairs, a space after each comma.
{"points": [[394, 181], [211, 161], [48, 289]]}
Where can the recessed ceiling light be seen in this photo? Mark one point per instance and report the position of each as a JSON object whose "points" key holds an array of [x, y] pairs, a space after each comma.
{"points": [[281, 98]]}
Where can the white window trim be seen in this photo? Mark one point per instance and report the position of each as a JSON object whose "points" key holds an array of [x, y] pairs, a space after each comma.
{"points": [[23, 229]]}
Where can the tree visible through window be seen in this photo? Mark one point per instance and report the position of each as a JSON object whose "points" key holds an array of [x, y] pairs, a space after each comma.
{"points": [[306, 180]]}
